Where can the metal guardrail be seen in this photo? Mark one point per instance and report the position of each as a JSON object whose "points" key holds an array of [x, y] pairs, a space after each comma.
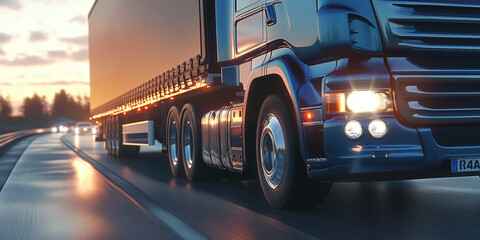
{"points": [[5, 139]]}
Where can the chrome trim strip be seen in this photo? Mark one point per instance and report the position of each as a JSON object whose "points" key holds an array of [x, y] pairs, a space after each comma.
{"points": [[445, 47], [435, 19], [417, 106], [314, 107], [431, 4], [445, 117], [404, 33], [415, 90], [310, 124]]}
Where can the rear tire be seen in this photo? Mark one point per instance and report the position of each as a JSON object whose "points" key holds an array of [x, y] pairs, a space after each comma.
{"points": [[116, 136], [109, 136], [195, 168], [282, 173], [173, 142]]}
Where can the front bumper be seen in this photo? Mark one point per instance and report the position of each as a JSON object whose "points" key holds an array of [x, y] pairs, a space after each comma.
{"points": [[404, 153]]}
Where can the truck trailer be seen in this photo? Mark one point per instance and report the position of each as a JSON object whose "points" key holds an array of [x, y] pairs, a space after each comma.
{"points": [[298, 94]]}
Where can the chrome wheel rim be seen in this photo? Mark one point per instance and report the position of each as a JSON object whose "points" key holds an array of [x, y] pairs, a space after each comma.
{"points": [[272, 151], [187, 144], [173, 143]]}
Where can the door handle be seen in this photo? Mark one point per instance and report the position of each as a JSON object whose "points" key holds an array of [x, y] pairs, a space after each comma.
{"points": [[271, 15]]}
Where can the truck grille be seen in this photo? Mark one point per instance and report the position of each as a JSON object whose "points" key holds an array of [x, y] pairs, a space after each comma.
{"points": [[427, 99], [427, 26], [433, 48]]}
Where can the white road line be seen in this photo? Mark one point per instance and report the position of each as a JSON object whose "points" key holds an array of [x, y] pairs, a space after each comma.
{"points": [[140, 198]]}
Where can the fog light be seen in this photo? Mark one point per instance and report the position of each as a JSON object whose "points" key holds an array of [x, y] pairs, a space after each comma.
{"points": [[377, 128], [353, 129]]}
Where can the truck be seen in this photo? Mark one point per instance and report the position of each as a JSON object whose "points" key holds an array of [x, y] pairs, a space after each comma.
{"points": [[298, 94]]}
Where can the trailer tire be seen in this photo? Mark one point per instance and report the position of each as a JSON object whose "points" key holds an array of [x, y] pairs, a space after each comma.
{"points": [[283, 176], [116, 136], [173, 142], [195, 168], [109, 136]]}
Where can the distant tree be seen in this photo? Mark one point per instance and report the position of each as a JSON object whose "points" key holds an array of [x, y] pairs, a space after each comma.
{"points": [[34, 107], [61, 104], [5, 107], [86, 107], [64, 105]]}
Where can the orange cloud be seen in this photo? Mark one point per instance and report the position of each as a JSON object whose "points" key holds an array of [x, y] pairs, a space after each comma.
{"points": [[4, 38], [59, 83], [36, 36], [26, 61], [12, 4], [82, 40]]}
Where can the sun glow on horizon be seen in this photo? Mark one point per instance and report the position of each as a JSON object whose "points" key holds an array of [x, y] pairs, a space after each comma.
{"points": [[43, 49]]}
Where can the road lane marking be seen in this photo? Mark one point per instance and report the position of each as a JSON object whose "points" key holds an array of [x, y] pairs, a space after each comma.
{"points": [[140, 198], [10, 158]]}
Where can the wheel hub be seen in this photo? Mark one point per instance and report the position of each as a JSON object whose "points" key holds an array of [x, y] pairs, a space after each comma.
{"points": [[272, 153]]}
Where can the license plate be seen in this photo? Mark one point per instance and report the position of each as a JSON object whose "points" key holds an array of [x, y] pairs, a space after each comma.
{"points": [[466, 165]]}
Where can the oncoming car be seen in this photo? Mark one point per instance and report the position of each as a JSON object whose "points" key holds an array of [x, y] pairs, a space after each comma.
{"points": [[59, 129], [85, 128]]}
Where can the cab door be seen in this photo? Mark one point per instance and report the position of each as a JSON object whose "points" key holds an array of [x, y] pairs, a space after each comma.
{"points": [[250, 26]]}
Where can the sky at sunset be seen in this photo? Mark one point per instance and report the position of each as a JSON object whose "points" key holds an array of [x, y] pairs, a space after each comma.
{"points": [[43, 48]]}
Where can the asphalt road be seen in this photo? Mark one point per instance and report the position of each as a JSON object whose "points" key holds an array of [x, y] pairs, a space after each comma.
{"points": [[54, 193]]}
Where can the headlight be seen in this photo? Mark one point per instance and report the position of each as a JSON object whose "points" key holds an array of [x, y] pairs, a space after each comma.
{"points": [[54, 129], [366, 101], [359, 101], [77, 131], [94, 130]]}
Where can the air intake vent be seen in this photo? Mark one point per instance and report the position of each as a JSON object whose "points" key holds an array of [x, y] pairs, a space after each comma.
{"points": [[435, 27], [429, 99]]}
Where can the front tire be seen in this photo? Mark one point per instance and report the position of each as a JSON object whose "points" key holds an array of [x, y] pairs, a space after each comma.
{"points": [[283, 177]]}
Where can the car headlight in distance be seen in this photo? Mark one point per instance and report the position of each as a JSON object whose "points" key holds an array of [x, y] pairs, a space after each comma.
{"points": [[359, 101], [54, 129], [94, 130], [77, 131]]}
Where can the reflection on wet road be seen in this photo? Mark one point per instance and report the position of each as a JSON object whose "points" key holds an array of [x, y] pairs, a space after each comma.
{"points": [[54, 194]]}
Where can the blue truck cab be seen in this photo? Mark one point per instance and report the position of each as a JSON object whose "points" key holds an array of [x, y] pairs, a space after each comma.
{"points": [[380, 89], [296, 93]]}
